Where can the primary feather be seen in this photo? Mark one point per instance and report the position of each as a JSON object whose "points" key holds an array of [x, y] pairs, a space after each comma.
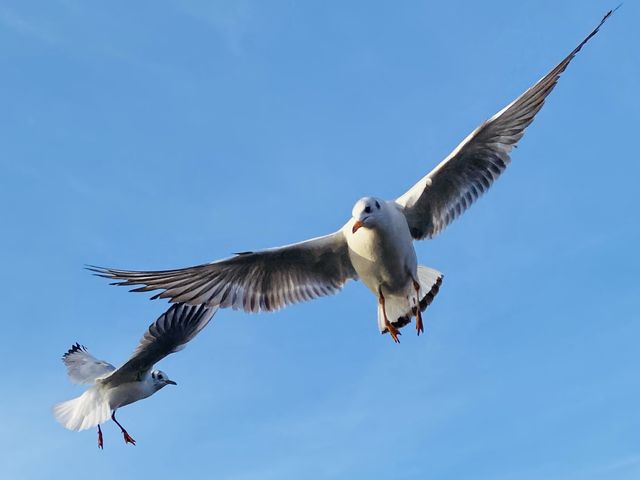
{"points": [[168, 334], [82, 367]]}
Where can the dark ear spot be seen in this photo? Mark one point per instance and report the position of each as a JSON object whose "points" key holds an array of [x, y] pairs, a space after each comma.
{"points": [[377, 205]]}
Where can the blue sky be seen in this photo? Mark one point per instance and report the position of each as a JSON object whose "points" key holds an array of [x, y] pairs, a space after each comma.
{"points": [[175, 133]]}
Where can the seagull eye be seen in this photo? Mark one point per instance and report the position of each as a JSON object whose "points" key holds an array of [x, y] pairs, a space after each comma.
{"points": [[377, 205], [367, 209]]}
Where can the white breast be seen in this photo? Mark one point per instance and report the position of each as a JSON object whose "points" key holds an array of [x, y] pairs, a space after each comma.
{"points": [[127, 393], [384, 255]]}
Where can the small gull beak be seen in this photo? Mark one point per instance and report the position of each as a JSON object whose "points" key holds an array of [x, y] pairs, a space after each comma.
{"points": [[357, 226], [171, 382]]}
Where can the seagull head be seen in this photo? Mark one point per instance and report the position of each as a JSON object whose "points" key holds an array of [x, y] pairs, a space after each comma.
{"points": [[160, 379], [366, 212]]}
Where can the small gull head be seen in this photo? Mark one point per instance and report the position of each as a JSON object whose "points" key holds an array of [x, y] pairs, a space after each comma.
{"points": [[160, 379]]}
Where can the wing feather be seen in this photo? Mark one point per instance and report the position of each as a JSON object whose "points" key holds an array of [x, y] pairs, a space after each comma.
{"points": [[168, 334], [461, 178], [82, 367], [253, 281]]}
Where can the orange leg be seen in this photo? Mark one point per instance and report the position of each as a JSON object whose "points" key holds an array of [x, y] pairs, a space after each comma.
{"points": [[127, 437], [393, 331], [419, 326], [100, 445]]}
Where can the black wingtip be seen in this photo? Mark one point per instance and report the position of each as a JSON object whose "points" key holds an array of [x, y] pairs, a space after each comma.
{"points": [[76, 347], [597, 29], [98, 271], [606, 16], [588, 37]]}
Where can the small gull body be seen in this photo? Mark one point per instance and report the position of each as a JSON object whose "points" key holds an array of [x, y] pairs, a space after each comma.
{"points": [[135, 380]]}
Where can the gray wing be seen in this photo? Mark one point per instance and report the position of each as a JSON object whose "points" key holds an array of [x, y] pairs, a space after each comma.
{"points": [[447, 191], [253, 281], [168, 334], [82, 367]]}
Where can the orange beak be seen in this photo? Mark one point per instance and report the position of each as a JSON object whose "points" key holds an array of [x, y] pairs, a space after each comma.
{"points": [[356, 226]]}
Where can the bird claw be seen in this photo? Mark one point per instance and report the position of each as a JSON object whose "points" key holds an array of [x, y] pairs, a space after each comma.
{"points": [[419, 325], [128, 439], [393, 331], [100, 444]]}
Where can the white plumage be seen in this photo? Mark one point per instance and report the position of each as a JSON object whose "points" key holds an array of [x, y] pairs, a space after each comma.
{"points": [[86, 411]]}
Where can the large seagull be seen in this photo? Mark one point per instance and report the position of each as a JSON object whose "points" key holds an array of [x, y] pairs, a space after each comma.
{"points": [[375, 245]]}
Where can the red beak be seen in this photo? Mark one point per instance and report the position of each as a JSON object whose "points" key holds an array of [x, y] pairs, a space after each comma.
{"points": [[356, 226]]}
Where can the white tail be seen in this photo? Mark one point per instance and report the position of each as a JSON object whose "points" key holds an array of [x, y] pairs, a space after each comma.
{"points": [[85, 411], [401, 308]]}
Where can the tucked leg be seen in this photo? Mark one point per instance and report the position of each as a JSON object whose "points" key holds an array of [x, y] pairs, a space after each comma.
{"points": [[419, 326], [127, 437], [100, 446], [393, 331]]}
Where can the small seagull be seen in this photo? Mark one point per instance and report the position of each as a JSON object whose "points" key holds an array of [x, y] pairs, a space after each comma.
{"points": [[376, 244], [114, 388]]}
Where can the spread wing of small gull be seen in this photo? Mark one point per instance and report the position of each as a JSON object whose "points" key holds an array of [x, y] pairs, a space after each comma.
{"points": [[168, 334], [266, 280], [83, 367], [451, 187]]}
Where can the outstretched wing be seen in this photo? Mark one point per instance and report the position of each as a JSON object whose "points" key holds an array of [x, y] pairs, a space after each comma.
{"points": [[82, 367], [253, 281], [447, 191], [168, 334]]}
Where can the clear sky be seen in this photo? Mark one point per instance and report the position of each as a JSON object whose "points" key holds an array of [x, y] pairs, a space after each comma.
{"points": [[174, 133]]}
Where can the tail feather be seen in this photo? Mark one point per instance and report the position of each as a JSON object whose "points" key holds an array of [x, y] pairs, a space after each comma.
{"points": [[430, 281], [401, 309], [85, 411]]}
